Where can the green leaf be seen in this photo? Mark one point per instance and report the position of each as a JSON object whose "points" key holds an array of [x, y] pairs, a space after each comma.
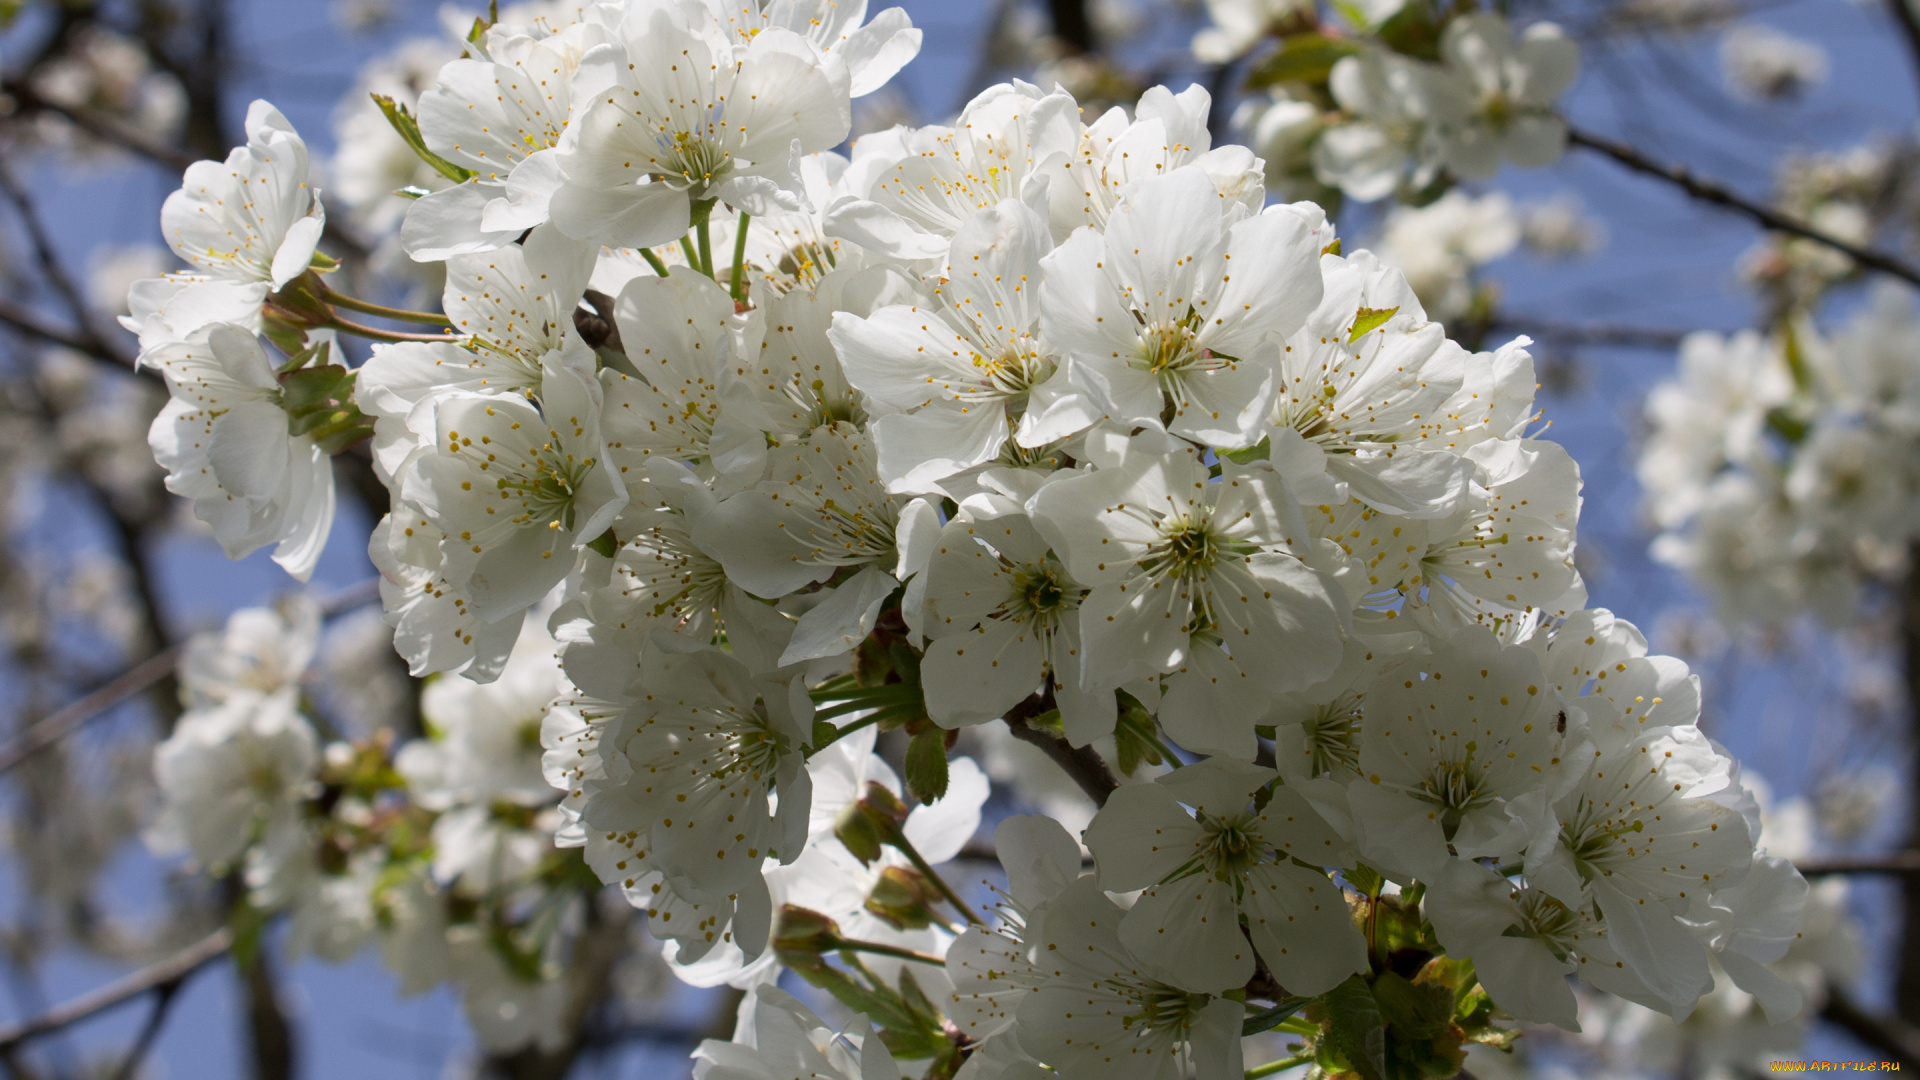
{"points": [[1356, 1029], [1333, 248], [1369, 319], [1303, 58], [1133, 736], [1272, 1018], [1364, 878], [409, 129], [1413, 1011], [605, 544], [927, 764]]}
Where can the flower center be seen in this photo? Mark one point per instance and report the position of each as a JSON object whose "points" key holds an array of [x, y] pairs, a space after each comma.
{"points": [[690, 160], [1232, 847], [1167, 348], [1455, 786], [1164, 1010], [1333, 738]]}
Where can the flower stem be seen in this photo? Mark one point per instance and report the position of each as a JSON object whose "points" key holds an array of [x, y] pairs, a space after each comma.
{"points": [[878, 949], [900, 841], [342, 300], [740, 258], [654, 261], [1281, 1065], [706, 248], [346, 326], [686, 248]]}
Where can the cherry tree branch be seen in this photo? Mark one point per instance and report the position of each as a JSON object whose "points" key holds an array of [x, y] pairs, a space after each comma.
{"points": [[1631, 337], [107, 129], [1712, 191], [1896, 864], [1886, 1035], [1080, 763], [168, 972], [1909, 25]]}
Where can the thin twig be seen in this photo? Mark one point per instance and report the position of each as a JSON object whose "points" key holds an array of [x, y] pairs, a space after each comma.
{"points": [[152, 977], [1909, 30], [1712, 191], [29, 324], [49, 260], [163, 1000], [130, 682], [1897, 863], [1632, 337]]}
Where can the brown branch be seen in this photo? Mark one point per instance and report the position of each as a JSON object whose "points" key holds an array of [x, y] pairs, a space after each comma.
{"points": [[1712, 191], [1884, 1035], [26, 322], [1896, 864], [49, 260], [1080, 763], [169, 972], [130, 682], [1906, 985]]}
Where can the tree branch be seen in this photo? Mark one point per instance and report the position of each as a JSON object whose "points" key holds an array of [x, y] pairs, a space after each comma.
{"points": [[1909, 30], [1081, 763], [1897, 864], [1632, 337], [1885, 1035], [107, 129], [1712, 191], [171, 971]]}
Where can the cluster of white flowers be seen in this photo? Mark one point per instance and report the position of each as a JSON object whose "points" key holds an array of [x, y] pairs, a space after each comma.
{"points": [[1402, 121], [1781, 468], [1030, 419]]}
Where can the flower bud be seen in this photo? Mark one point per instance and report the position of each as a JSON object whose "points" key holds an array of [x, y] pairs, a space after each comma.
{"points": [[870, 823], [903, 899]]}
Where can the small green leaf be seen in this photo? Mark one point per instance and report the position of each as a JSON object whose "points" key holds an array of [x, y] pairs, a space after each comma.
{"points": [[605, 544], [1272, 1018], [1333, 248], [1133, 736], [927, 764], [409, 130], [1364, 878], [1259, 451], [1413, 1011], [1369, 319], [1356, 1030], [1301, 58]]}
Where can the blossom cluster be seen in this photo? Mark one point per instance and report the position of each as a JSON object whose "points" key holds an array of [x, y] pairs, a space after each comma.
{"points": [[728, 456], [1780, 467]]}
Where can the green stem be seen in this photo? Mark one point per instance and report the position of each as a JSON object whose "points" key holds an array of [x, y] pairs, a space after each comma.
{"points": [[740, 258], [1172, 759], [706, 248], [654, 261], [900, 841], [686, 248], [1281, 1065], [841, 733], [878, 949], [346, 326], [342, 300]]}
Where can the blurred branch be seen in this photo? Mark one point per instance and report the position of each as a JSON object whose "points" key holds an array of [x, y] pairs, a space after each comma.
{"points": [[1909, 30], [1633, 337], [135, 679], [1898, 863], [105, 128], [57, 277], [269, 1035], [163, 1000], [169, 972], [1712, 191], [1073, 25], [595, 955], [30, 324], [1884, 1035]]}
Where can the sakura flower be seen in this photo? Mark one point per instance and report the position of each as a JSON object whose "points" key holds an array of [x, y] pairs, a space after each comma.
{"points": [[515, 488], [874, 50], [785, 1039], [1167, 131], [1003, 615], [1502, 93], [1205, 872], [498, 113], [261, 651], [917, 187], [1188, 574], [976, 373], [1170, 316], [689, 116], [1461, 755], [1393, 137], [248, 226], [1099, 1001], [225, 442], [230, 774]]}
